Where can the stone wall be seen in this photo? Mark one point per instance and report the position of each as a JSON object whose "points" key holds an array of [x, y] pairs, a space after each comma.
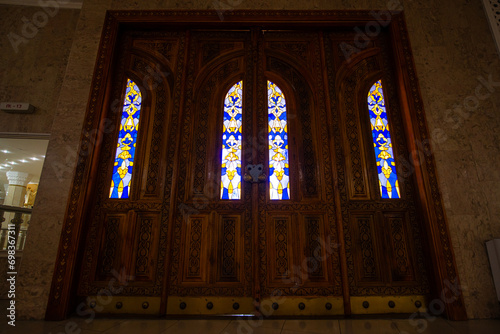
{"points": [[32, 70], [32, 63], [454, 55]]}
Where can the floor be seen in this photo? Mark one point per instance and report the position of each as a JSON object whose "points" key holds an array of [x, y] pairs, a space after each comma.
{"points": [[244, 326]]}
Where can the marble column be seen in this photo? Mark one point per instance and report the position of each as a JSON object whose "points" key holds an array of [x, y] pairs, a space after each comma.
{"points": [[16, 192]]}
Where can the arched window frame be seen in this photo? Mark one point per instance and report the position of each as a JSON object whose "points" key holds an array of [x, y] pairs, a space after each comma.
{"points": [[116, 113], [220, 124], [286, 195], [293, 128], [371, 159]]}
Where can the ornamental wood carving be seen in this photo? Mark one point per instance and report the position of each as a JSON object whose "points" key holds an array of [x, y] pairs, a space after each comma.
{"points": [[335, 237]]}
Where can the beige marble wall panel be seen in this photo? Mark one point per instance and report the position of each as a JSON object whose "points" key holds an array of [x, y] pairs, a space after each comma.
{"points": [[32, 71], [452, 47], [41, 247]]}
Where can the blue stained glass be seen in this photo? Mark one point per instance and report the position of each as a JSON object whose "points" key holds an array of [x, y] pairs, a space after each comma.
{"points": [[386, 166], [279, 173], [127, 139], [231, 143]]}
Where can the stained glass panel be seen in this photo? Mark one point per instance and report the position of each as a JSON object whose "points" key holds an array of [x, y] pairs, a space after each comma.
{"points": [[127, 139], [231, 143], [279, 174], [386, 166]]}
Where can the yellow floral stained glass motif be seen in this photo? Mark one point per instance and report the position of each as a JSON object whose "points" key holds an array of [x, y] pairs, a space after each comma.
{"points": [[279, 174], [231, 143], [127, 139], [386, 166]]}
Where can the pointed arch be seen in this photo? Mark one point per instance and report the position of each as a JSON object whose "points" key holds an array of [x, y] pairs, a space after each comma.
{"points": [[231, 143], [384, 155], [127, 140]]}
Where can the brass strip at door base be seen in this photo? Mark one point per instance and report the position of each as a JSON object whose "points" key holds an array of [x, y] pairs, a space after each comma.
{"points": [[208, 305], [123, 305], [297, 306], [269, 307], [388, 304]]}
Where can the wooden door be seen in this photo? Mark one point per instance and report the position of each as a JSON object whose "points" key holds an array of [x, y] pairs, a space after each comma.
{"points": [[254, 252], [176, 246]]}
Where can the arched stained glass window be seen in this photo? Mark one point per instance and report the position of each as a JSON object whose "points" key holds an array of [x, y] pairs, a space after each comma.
{"points": [[279, 174], [127, 139], [384, 156], [231, 143]]}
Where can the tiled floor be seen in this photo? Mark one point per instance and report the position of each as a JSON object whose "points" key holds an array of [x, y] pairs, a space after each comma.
{"points": [[248, 326]]}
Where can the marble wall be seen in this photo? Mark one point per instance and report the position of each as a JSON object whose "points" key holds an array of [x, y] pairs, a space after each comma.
{"points": [[33, 61], [32, 70], [454, 55]]}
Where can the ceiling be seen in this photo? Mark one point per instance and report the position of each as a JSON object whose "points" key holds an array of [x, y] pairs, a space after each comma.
{"points": [[35, 3], [23, 155]]}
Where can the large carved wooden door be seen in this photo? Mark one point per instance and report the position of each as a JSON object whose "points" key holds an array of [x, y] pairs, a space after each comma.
{"points": [[326, 226], [260, 182], [273, 246]]}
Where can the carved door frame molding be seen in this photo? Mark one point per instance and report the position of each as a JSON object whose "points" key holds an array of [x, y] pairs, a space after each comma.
{"points": [[62, 298]]}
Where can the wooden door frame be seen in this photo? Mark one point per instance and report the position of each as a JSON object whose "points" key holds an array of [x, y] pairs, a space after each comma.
{"points": [[62, 297]]}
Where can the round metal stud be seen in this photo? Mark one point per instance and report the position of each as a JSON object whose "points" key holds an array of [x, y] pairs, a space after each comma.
{"points": [[418, 304], [366, 304], [210, 305], [236, 306], [145, 305], [182, 306], [302, 306], [92, 304], [119, 305], [328, 306], [275, 306], [392, 304]]}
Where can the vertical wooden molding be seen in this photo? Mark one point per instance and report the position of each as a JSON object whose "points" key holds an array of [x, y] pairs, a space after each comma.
{"points": [[63, 283], [446, 278]]}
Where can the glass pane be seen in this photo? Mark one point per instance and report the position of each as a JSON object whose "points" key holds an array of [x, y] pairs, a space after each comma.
{"points": [[231, 143], [127, 139], [386, 166], [21, 162], [279, 187]]}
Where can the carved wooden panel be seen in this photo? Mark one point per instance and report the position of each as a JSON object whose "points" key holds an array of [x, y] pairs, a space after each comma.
{"points": [[229, 241], [161, 48], [317, 252], [314, 247], [196, 249], [153, 163], [365, 248], [352, 115], [400, 244], [209, 50], [280, 245], [301, 50], [145, 245], [114, 232]]}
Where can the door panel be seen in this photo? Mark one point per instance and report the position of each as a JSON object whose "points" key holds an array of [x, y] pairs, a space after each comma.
{"points": [[215, 61], [382, 236], [293, 61], [282, 259], [196, 247], [126, 239]]}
